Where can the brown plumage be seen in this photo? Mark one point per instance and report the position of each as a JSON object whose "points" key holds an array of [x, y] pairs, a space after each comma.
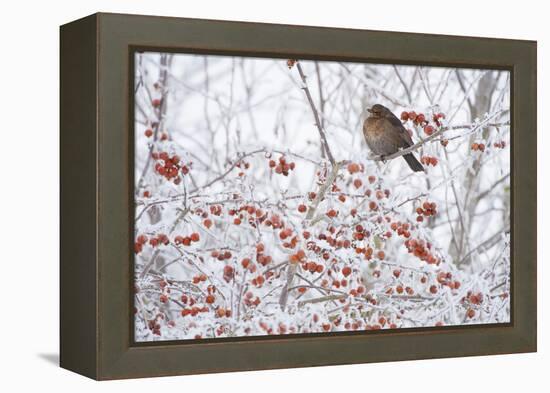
{"points": [[385, 135]]}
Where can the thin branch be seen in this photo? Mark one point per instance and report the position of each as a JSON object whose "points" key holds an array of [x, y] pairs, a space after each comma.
{"points": [[407, 92], [486, 245], [322, 191], [430, 138], [483, 194], [315, 114]]}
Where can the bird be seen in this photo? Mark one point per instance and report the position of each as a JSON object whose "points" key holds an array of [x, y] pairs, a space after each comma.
{"points": [[385, 135]]}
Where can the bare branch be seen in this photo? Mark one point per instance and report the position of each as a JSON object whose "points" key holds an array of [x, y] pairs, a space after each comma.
{"points": [[430, 138], [315, 114]]}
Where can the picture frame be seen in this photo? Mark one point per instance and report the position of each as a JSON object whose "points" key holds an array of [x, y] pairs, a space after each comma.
{"points": [[97, 206]]}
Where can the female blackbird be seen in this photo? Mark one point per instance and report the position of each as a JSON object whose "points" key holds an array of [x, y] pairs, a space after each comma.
{"points": [[385, 135]]}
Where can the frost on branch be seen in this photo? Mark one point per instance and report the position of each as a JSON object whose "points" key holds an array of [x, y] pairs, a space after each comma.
{"points": [[259, 209]]}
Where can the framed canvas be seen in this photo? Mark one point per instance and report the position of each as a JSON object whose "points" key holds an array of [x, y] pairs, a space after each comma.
{"points": [[242, 196]]}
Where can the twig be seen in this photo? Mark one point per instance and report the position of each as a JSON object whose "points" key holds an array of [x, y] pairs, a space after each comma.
{"points": [[407, 92], [321, 299], [483, 194], [315, 115], [487, 244], [323, 190], [160, 117], [416, 146]]}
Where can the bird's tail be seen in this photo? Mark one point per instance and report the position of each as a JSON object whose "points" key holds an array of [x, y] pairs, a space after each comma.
{"points": [[413, 163]]}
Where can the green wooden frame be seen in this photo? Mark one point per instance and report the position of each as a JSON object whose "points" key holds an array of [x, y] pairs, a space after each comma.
{"points": [[97, 207]]}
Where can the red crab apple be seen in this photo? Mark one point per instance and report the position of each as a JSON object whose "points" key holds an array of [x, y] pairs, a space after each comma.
{"points": [[346, 271], [228, 273]]}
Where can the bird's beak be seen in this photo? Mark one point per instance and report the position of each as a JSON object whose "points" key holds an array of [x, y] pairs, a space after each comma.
{"points": [[369, 110]]}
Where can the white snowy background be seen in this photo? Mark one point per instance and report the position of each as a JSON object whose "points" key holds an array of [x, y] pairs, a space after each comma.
{"points": [[348, 261]]}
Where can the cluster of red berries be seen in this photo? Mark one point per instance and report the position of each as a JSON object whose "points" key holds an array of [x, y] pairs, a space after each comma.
{"points": [[312, 267], [261, 257], [274, 221], [419, 119], [379, 194], [422, 250], [246, 263], [333, 241], [283, 167], [357, 291], [258, 281], [287, 233], [400, 290], [402, 229], [382, 321], [428, 209], [473, 298], [323, 253], [499, 145], [367, 252], [290, 63], [142, 240], [210, 297], [297, 257], [200, 278], [154, 325], [358, 183], [242, 165], [446, 279], [223, 312], [478, 147], [188, 299], [193, 311], [343, 283], [249, 301], [149, 133], [253, 215], [221, 255], [436, 118], [428, 160], [360, 233], [156, 102], [216, 210], [207, 222], [187, 240], [170, 167]]}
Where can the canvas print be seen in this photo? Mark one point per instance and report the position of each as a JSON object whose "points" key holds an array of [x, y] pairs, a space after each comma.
{"points": [[292, 196]]}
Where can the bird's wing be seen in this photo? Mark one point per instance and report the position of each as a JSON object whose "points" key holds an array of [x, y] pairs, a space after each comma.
{"points": [[403, 133]]}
